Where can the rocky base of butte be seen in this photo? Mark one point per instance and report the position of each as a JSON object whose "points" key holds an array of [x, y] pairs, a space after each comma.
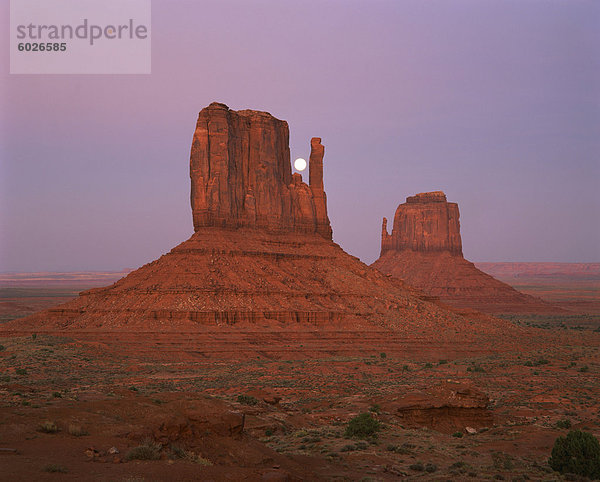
{"points": [[425, 250]]}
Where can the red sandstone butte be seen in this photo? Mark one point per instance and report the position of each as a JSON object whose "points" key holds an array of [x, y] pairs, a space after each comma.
{"points": [[242, 177], [261, 254], [425, 250]]}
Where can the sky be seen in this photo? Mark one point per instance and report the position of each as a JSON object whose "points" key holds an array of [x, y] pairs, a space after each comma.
{"points": [[495, 102]]}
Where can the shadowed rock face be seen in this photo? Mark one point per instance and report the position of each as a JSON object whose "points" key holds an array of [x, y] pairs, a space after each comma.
{"points": [[425, 223], [425, 250], [242, 177]]}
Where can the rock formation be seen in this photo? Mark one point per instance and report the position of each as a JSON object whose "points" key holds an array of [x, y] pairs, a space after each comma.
{"points": [[426, 223], [261, 252], [447, 407], [425, 250], [242, 177]]}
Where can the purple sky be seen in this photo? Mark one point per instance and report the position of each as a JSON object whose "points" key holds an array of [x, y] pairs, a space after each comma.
{"points": [[497, 103]]}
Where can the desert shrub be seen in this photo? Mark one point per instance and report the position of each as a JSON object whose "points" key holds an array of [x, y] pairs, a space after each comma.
{"points": [[177, 451], [21, 371], [76, 430], [577, 453], [268, 433], [502, 461], [2, 348], [33, 336], [565, 423], [197, 459], [431, 468], [362, 426], [5, 378], [418, 467], [584, 369], [55, 468], [375, 408], [48, 427], [247, 400], [457, 434], [148, 450], [537, 363], [57, 395], [404, 449], [383, 355], [428, 365], [442, 362]]}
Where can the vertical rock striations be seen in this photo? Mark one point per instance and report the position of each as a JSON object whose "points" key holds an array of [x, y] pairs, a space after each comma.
{"points": [[241, 175]]}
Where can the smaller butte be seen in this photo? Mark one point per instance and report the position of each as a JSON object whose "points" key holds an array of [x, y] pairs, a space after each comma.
{"points": [[425, 250]]}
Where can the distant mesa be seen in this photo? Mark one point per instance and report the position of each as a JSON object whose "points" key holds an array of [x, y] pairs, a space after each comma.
{"points": [[425, 250], [262, 252]]}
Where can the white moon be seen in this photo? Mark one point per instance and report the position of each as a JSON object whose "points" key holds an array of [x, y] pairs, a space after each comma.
{"points": [[300, 164]]}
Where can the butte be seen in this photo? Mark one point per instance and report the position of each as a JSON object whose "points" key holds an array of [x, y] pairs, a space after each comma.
{"points": [[425, 250], [260, 266]]}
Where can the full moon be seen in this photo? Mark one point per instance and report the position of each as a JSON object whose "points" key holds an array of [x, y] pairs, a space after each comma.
{"points": [[300, 164]]}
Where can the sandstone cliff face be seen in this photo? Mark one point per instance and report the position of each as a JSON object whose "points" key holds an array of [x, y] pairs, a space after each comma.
{"points": [[425, 223], [425, 250], [241, 175]]}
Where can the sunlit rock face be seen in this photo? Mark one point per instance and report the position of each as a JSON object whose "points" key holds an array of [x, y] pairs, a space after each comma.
{"points": [[242, 177]]}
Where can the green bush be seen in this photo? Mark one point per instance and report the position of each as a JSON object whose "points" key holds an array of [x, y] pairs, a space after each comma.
{"points": [[247, 400], [565, 423], [362, 426], [375, 408], [457, 434], [577, 453]]}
